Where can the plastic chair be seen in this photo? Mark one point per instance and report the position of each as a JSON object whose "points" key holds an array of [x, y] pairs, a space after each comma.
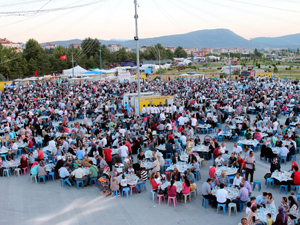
{"points": [[231, 179], [297, 188], [18, 170], [283, 158], [174, 200], [79, 182], [95, 181], [219, 208], [285, 187], [7, 171], [230, 206], [20, 151], [115, 192], [193, 192], [64, 181], [42, 177], [35, 178], [152, 195], [185, 197], [160, 197], [197, 175], [298, 149], [242, 204], [293, 157], [3, 156], [144, 185], [235, 138], [255, 148], [24, 170], [126, 191], [270, 180], [204, 202], [51, 174], [132, 187], [168, 154], [258, 184]]}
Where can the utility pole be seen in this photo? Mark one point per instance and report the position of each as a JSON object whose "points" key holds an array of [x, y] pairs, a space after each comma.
{"points": [[136, 38], [159, 65], [72, 62], [229, 65], [100, 58]]}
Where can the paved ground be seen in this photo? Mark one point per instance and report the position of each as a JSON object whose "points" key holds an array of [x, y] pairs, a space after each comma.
{"points": [[24, 202]]}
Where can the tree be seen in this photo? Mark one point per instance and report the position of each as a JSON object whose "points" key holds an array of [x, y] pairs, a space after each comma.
{"points": [[32, 49], [180, 53], [90, 47]]}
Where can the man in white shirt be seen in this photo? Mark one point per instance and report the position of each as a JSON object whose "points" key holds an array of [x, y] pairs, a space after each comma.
{"points": [[237, 149], [144, 111], [220, 161], [181, 120], [80, 175], [222, 195], [193, 122], [51, 144], [183, 140], [237, 180], [223, 148], [122, 131], [123, 151], [275, 126], [283, 151]]}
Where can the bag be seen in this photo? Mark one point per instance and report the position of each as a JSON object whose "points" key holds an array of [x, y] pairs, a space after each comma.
{"points": [[192, 187], [267, 175]]}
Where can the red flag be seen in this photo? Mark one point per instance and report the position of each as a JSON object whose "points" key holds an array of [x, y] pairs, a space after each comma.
{"points": [[63, 57], [36, 72]]}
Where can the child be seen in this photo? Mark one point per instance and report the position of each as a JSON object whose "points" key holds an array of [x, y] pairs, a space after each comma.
{"points": [[253, 201], [130, 170], [218, 131], [284, 204], [248, 209], [294, 196], [31, 159], [123, 183], [269, 219], [76, 163]]}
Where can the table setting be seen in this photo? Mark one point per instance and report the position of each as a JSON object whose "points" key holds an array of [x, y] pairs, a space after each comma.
{"points": [[11, 164], [232, 192], [161, 147], [148, 154], [204, 126], [184, 157], [147, 165], [132, 179], [228, 170], [262, 213], [177, 184], [48, 167], [181, 166], [281, 176], [225, 133], [248, 142], [200, 148], [3, 150]]}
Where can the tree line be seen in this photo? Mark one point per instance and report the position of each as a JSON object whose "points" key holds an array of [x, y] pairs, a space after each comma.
{"points": [[34, 59]]}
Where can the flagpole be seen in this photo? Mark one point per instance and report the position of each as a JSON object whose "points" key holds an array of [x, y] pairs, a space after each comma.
{"points": [[72, 64], [136, 38]]}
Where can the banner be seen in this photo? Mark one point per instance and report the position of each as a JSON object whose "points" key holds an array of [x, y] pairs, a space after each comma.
{"points": [[63, 57]]}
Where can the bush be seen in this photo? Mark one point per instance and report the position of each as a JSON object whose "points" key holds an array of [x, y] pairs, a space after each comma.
{"points": [[162, 71], [258, 65], [275, 69]]}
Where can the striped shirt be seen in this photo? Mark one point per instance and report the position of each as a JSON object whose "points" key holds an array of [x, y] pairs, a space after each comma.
{"points": [[144, 175]]}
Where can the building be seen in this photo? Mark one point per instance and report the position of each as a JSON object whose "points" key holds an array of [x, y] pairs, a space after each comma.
{"points": [[21, 45], [114, 47], [75, 45], [188, 51], [193, 49], [8, 44], [128, 49], [202, 53], [172, 49], [49, 46], [143, 48], [210, 50]]}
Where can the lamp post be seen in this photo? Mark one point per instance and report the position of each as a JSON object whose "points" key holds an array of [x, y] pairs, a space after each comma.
{"points": [[136, 38]]}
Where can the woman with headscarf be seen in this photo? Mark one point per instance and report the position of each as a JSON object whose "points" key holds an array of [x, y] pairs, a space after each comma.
{"points": [[281, 218], [294, 164], [59, 164], [23, 162], [34, 169], [114, 184], [275, 165]]}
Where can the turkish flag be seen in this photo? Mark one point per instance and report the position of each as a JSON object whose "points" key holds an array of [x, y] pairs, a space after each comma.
{"points": [[36, 72], [63, 57]]}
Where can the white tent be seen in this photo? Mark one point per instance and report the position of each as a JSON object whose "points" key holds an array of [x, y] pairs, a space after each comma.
{"points": [[106, 71], [78, 70]]}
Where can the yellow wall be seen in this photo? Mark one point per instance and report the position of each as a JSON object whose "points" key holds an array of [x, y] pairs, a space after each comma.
{"points": [[268, 74], [2, 84], [142, 76], [155, 100]]}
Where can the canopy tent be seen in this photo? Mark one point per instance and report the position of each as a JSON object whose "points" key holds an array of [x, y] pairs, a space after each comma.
{"points": [[77, 71], [86, 78], [91, 73], [106, 71]]}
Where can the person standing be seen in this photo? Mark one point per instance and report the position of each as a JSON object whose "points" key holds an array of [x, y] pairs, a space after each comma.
{"points": [[250, 163], [107, 156]]}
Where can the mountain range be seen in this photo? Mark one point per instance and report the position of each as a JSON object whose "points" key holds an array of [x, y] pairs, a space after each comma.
{"points": [[210, 38]]}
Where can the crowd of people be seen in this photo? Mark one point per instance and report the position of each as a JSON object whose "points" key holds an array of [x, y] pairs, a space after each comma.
{"points": [[82, 131]]}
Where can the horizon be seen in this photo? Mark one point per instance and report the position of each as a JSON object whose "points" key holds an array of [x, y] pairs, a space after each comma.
{"points": [[113, 19]]}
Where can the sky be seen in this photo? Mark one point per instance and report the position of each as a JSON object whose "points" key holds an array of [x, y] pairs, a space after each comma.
{"points": [[114, 19]]}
